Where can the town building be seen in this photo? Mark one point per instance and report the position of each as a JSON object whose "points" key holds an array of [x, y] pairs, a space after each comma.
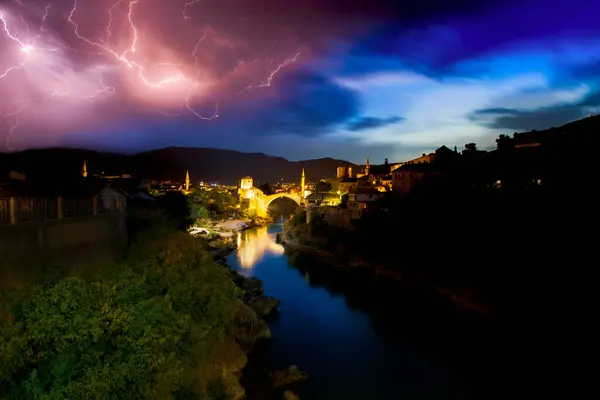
{"points": [[247, 191], [409, 176], [323, 199], [366, 170], [363, 199]]}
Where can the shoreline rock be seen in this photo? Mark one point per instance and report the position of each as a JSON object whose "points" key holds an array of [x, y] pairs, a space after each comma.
{"points": [[287, 376], [289, 395]]}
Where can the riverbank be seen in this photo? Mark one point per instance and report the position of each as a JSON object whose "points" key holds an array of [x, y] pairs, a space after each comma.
{"points": [[220, 234], [257, 308], [226, 228], [358, 336], [460, 298]]}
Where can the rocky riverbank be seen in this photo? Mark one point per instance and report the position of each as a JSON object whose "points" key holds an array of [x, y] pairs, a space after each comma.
{"points": [[250, 327]]}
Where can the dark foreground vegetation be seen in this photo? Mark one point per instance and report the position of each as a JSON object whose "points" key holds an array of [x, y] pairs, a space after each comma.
{"points": [[161, 324]]}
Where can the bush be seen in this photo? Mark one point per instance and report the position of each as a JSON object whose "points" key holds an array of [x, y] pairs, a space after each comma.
{"points": [[141, 330]]}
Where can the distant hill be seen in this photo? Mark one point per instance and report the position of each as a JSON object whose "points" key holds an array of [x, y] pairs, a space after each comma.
{"points": [[204, 164]]}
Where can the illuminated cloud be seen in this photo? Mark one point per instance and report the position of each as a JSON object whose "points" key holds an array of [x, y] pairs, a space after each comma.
{"points": [[254, 75], [71, 64]]}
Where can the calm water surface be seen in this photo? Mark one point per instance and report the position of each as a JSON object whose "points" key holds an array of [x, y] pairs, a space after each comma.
{"points": [[358, 337]]}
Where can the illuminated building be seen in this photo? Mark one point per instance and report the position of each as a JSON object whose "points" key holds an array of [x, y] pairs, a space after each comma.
{"points": [[84, 170], [366, 171], [303, 185], [344, 172], [246, 183], [187, 180]]}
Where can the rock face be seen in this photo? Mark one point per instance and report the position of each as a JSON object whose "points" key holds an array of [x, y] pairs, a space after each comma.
{"points": [[264, 305], [228, 360], [252, 287], [289, 395], [249, 327], [287, 376]]}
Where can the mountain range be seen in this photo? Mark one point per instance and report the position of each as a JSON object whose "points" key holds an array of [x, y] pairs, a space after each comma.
{"points": [[204, 164]]}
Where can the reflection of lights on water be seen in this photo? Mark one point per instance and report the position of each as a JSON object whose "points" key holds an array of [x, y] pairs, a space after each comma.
{"points": [[256, 245]]}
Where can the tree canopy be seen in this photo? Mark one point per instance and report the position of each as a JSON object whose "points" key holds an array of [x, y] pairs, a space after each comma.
{"points": [[144, 329]]}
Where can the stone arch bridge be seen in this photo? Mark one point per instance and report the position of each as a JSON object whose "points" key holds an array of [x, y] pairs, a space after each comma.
{"points": [[262, 202]]}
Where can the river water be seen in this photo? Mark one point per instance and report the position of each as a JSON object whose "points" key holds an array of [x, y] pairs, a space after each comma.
{"points": [[359, 337]]}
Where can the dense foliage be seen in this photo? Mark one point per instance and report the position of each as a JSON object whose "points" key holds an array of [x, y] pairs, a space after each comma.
{"points": [[142, 329], [212, 203]]}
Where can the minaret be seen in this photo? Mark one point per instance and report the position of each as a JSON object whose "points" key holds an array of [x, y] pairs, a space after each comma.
{"points": [[84, 170], [187, 180], [367, 167], [302, 184]]}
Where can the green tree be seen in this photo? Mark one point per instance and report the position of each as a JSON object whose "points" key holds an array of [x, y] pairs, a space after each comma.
{"points": [[344, 201], [470, 148], [323, 187], [142, 330], [504, 142], [266, 188], [198, 211], [176, 206]]}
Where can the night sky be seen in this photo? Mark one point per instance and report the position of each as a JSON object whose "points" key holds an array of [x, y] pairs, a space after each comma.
{"points": [[294, 78]]}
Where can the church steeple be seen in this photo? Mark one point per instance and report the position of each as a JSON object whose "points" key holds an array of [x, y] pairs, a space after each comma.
{"points": [[84, 170], [187, 180], [367, 167], [302, 184]]}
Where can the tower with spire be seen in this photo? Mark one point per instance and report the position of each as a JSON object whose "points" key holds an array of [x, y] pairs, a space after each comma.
{"points": [[84, 170], [187, 180], [302, 184], [367, 167]]}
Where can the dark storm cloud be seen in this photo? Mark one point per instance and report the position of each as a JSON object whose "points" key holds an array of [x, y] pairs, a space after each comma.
{"points": [[496, 111], [543, 118], [364, 123], [316, 22], [306, 104], [433, 42], [539, 119], [591, 100]]}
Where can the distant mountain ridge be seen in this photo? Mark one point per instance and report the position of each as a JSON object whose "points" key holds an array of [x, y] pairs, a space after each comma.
{"points": [[204, 164]]}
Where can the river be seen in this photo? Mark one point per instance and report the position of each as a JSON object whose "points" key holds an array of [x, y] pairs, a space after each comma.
{"points": [[359, 337]]}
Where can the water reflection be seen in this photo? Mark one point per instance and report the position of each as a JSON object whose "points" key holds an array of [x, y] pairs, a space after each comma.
{"points": [[254, 245], [358, 337]]}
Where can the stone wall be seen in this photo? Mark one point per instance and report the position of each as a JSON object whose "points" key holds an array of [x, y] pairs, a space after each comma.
{"points": [[82, 243], [338, 217]]}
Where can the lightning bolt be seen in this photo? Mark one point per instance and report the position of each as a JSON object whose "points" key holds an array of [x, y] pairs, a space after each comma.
{"points": [[269, 80], [124, 57], [11, 132], [186, 6], [122, 11]]}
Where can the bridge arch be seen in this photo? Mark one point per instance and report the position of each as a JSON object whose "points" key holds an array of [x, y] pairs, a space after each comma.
{"points": [[262, 203], [269, 199]]}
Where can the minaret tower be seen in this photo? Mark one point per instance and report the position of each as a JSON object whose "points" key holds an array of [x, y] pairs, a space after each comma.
{"points": [[302, 184], [187, 180], [84, 170], [367, 167]]}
